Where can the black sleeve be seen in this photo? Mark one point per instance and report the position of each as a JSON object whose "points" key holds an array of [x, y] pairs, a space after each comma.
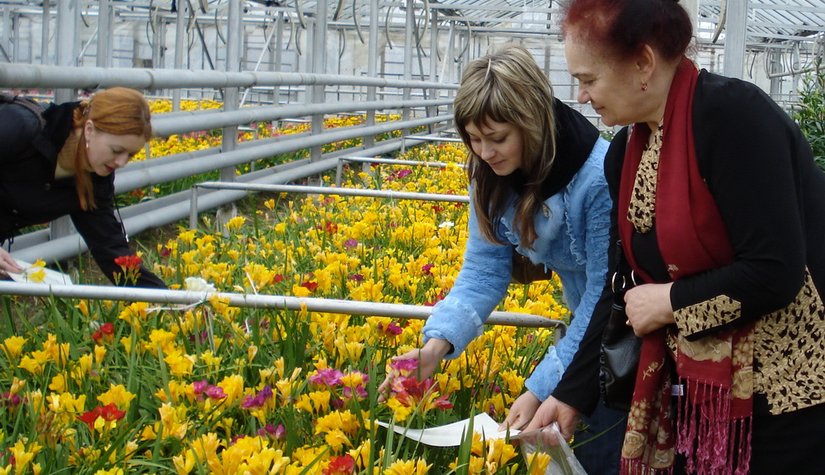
{"points": [[106, 240], [746, 147], [579, 386]]}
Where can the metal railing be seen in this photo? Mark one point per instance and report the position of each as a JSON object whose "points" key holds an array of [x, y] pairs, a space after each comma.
{"points": [[173, 207], [186, 297]]}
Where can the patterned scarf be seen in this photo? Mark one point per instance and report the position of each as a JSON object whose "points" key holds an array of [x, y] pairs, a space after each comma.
{"points": [[711, 421]]}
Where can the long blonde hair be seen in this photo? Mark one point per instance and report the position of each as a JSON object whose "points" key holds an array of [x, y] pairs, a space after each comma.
{"points": [[116, 111], [508, 86]]}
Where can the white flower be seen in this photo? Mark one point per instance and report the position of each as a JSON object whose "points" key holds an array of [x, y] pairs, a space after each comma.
{"points": [[446, 224], [197, 284]]}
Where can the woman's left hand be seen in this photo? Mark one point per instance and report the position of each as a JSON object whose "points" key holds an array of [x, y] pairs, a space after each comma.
{"points": [[648, 307]]}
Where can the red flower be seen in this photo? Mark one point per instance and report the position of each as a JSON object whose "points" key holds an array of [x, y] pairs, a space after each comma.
{"points": [[340, 465], [128, 262], [130, 265], [105, 332], [310, 285], [109, 413]]}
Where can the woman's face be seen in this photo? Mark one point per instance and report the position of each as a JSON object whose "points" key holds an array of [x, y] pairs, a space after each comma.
{"points": [[108, 152], [498, 144], [613, 88]]}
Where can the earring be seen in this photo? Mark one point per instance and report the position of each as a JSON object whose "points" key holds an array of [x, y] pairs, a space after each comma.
{"points": [[644, 86], [87, 144]]}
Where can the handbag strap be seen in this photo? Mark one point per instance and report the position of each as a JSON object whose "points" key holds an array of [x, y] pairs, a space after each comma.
{"points": [[624, 277]]}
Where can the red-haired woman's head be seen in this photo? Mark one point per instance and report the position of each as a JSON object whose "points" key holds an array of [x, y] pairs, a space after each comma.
{"points": [[621, 28], [113, 126]]}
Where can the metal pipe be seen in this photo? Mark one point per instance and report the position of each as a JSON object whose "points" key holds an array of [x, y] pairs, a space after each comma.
{"points": [[736, 26], [328, 190], [312, 304], [164, 125], [45, 76], [173, 171], [178, 208]]}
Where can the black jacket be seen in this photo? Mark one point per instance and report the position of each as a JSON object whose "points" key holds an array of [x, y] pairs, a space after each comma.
{"points": [[30, 194], [760, 170]]}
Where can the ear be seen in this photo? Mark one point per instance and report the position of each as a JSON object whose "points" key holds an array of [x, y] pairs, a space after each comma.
{"points": [[88, 128], [646, 61]]}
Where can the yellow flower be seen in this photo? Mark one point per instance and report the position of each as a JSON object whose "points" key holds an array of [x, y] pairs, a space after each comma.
{"points": [[537, 463], [111, 471], [235, 223], [100, 353], [180, 364], [13, 346], [408, 467], [233, 388], [58, 383], [117, 395], [23, 453]]}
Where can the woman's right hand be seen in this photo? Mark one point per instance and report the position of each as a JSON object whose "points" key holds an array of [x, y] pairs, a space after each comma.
{"points": [[553, 410], [8, 264], [428, 356], [521, 412]]}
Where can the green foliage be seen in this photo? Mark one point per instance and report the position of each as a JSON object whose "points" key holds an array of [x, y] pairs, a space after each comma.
{"points": [[810, 113]]}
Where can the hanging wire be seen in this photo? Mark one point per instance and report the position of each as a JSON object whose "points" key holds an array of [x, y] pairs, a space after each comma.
{"points": [[355, 21], [387, 26], [218, 28], [337, 15], [300, 14]]}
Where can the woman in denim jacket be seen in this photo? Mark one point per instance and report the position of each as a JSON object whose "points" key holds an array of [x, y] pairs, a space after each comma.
{"points": [[537, 183]]}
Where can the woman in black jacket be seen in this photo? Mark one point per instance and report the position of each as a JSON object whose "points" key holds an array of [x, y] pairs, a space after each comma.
{"points": [[720, 209], [62, 162]]}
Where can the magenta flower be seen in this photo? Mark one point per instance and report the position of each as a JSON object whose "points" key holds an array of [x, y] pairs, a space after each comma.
{"points": [[259, 399], [328, 377]]}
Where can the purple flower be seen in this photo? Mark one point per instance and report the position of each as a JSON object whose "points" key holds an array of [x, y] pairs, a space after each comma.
{"points": [[351, 243], [356, 277], [200, 386], [272, 431], [215, 392], [404, 365], [326, 377], [259, 399]]}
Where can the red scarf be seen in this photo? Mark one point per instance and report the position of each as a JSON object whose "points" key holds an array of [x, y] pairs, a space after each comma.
{"points": [[712, 427]]}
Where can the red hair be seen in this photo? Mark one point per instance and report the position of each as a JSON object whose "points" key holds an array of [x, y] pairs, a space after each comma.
{"points": [[621, 28], [116, 111]]}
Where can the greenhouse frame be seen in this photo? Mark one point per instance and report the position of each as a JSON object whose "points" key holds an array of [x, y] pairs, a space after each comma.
{"points": [[275, 122]]}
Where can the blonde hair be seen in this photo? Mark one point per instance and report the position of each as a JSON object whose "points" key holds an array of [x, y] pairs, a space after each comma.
{"points": [[116, 111], [508, 86]]}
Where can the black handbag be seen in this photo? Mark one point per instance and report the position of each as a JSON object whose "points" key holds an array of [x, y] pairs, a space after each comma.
{"points": [[619, 352], [526, 272]]}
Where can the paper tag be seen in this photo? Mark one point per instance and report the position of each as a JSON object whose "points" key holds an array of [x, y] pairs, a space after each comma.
{"points": [[677, 390], [451, 435], [39, 275]]}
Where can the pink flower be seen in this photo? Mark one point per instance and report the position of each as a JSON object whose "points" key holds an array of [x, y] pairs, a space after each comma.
{"points": [[328, 377]]}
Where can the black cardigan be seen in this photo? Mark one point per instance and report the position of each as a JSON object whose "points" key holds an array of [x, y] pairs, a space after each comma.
{"points": [[771, 195], [30, 194]]}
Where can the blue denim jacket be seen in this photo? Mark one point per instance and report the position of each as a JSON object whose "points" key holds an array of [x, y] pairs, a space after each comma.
{"points": [[572, 241]]}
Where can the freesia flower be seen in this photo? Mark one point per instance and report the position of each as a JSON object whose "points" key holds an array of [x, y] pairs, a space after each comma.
{"points": [[102, 418]]}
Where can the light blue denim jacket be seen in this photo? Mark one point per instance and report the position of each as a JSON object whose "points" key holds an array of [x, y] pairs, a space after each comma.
{"points": [[572, 241]]}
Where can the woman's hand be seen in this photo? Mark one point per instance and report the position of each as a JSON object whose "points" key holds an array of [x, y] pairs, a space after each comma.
{"points": [[8, 264], [521, 412], [648, 307], [553, 410], [428, 356]]}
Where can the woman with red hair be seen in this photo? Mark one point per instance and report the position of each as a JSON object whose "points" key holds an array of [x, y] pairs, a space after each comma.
{"points": [[62, 162], [720, 209]]}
